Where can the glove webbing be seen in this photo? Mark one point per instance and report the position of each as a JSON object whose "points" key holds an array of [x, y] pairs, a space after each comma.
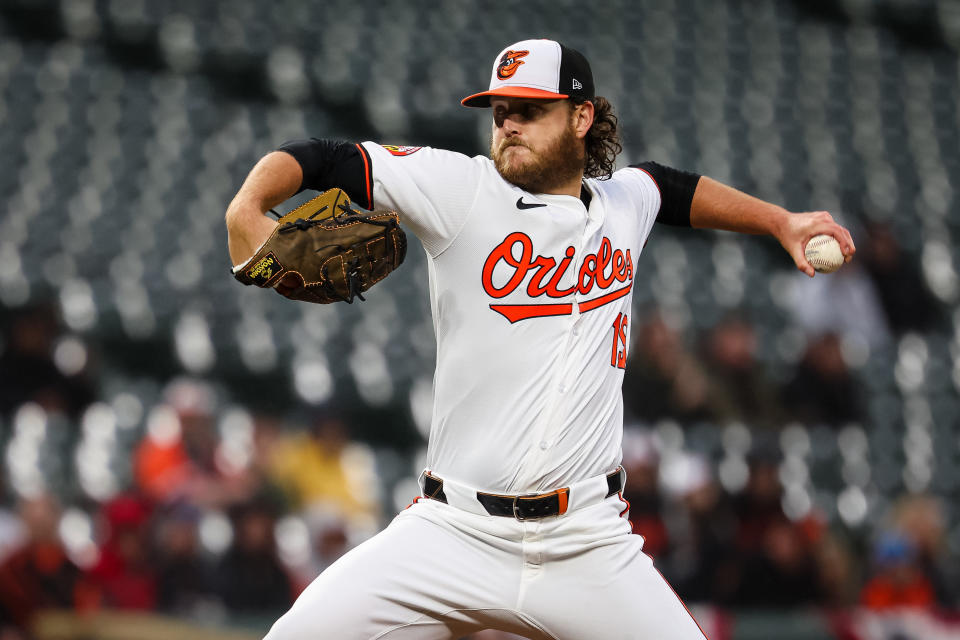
{"points": [[353, 275]]}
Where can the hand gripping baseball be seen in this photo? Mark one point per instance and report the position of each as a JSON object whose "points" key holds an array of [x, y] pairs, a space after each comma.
{"points": [[798, 228]]}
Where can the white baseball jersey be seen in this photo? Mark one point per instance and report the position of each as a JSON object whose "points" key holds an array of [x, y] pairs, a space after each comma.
{"points": [[530, 295]]}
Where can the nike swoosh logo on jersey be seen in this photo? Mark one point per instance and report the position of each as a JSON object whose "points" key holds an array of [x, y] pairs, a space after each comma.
{"points": [[528, 205]]}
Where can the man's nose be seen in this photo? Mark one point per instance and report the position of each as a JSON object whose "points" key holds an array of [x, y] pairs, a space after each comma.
{"points": [[511, 124]]}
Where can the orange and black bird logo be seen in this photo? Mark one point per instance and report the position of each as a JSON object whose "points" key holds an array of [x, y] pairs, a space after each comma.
{"points": [[509, 63]]}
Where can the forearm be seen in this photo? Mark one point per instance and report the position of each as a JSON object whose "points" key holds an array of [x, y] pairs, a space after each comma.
{"points": [[275, 178], [717, 206]]}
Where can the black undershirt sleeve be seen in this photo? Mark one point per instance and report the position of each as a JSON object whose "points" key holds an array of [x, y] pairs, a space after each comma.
{"points": [[333, 163], [676, 192]]}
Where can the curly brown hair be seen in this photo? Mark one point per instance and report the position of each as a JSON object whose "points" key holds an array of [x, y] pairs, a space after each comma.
{"points": [[603, 140]]}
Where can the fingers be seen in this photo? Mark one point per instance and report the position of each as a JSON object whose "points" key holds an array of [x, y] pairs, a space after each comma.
{"points": [[826, 224], [847, 245], [801, 261], [807, 225], [843, 237], [823, 216]]}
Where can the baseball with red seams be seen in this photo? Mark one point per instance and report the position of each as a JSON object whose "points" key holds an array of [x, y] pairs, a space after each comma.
{"points": [[824, 254]]}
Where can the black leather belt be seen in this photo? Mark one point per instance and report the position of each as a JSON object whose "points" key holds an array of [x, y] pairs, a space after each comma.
{"points": [[525, 507]]}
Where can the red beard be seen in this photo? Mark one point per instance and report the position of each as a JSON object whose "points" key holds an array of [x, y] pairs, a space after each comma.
{"points": [[560, 161]]}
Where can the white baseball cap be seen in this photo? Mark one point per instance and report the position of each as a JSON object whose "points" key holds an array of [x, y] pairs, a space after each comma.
{"points": [[537, 69]]}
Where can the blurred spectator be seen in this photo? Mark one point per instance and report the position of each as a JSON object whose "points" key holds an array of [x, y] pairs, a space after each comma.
{"points": [[899, 580], [195, 404], [642, 465], [250, 577], [822, 389], [330, 542], [702, 563], [13, 531], [663, 378], [126, 571], [758, 506], [184, 578], [329, 533], [740, 390], [162, 467], [29, 372], [212, 481], [921, 519], [323, 468], [178, 457], [779, 572], [775, 566], [268, 436], [902, 290], [40, 575], [837, 572], [846, 303]]}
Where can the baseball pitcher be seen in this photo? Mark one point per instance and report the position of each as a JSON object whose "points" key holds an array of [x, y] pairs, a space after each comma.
{"points": [[532, 254]]}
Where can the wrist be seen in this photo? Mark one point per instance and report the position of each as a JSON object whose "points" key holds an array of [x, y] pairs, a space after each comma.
{"points": [[778, 222], [247, 230]]}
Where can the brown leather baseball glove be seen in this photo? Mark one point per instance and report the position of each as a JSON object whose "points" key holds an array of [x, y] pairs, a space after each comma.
{"points": [[326, 251]]}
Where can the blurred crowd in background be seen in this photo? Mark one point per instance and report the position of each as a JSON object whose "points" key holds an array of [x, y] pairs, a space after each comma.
{"points": [[214, 510], [173, 442]]}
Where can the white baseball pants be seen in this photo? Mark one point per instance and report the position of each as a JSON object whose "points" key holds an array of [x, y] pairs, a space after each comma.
{"points": [[441, 572]]}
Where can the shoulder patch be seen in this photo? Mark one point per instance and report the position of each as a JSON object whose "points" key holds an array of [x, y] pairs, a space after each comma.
{"points": [[400, 150]]}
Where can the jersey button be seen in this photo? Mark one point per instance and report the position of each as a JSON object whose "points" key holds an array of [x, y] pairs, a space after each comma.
{"points": [[562, 388], [544, 445], [576, 331]]}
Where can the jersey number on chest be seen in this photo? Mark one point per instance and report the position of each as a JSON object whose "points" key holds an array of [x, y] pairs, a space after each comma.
{"points": [[618, 357]]}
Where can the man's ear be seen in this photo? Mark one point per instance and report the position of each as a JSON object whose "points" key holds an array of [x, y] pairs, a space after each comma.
{"points": [[583, 118]]}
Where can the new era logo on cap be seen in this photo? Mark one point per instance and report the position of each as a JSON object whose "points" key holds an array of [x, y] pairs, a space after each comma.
{"points": [[537, 69]]}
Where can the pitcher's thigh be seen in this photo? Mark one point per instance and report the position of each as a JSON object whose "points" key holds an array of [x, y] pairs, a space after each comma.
{"points": [[414, 579], [619, 596]]}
